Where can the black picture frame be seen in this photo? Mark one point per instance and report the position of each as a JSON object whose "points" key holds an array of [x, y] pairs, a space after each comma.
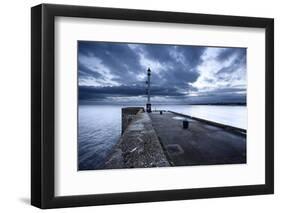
{"points": [[43, 111]]}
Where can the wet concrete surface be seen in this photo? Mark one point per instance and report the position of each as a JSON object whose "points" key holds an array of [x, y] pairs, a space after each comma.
{"points": [[200, 144]]}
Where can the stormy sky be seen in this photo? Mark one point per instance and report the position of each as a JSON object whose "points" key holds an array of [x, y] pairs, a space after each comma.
{"points": [[115, 73]]}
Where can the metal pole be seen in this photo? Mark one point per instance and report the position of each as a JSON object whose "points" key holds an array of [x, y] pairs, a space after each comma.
{"points": [[148, 104]]}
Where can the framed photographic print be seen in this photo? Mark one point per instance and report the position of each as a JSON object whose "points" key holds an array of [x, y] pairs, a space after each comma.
{"points": [[139, 106]]}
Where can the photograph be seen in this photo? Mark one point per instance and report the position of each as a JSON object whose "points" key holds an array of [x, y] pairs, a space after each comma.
{"points": [[144, 105]]}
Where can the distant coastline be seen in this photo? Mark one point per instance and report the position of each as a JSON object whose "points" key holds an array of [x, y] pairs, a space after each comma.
{"points": [[222, 104], [159, 104]]}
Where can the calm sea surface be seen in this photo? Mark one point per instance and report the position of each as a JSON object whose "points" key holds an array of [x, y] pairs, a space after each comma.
{"points": [[100, 127]]}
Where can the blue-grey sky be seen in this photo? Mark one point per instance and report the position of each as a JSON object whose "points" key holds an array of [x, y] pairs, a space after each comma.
{"points": [[116, 73]]}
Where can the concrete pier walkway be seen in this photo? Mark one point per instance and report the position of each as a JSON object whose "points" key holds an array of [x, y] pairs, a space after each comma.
{"points": [[201, 144], [138, 146]]}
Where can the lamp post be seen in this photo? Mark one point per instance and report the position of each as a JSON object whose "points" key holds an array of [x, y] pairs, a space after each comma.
{"points": [[148, 104]]}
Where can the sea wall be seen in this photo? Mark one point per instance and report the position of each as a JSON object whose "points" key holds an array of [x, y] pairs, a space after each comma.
{"points": [[128, 115], [139, 146]]}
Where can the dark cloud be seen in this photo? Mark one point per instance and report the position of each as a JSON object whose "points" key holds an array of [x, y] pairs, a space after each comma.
{"points": [[237, 63], [217, 99], [229, 52], [90, 92], [118, 58], [86, 72], [179, 62]]}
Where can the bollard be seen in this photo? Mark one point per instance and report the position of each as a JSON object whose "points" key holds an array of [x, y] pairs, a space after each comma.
{"points": [[161, 112], [185, 124]]}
